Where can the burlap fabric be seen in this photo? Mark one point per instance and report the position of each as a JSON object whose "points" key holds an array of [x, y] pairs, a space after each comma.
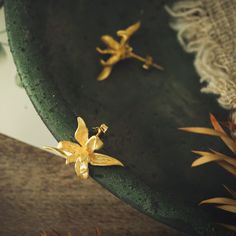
{"points": [[208, 29]]}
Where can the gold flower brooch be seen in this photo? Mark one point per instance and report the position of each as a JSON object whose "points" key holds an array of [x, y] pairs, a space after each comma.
{"points": [[121, 50], [83, 152]]}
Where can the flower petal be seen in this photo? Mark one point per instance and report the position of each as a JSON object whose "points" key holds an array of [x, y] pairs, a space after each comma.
{"points": [[230, 160], [127, 33], [230, 227], [230, 143], [91, 144], [228, 208], [200, 130], [215, 156], [70, 147], [226, 139], [205, 159], [110, 42], [228, 167], [94, 143], [111, 61], [99, 143], [216, 124], [81, 134], [105, 51], [224, 161], [81, 169], [71, 159], [133, 28], [98, 159], [56, 151], [219, 200], [105, 73]]}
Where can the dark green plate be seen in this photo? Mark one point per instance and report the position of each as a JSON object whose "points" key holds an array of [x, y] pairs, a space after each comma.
{"points": [[53, 45]]}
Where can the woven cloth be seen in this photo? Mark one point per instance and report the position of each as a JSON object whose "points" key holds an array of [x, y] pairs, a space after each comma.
{"points": [[208, 29]]}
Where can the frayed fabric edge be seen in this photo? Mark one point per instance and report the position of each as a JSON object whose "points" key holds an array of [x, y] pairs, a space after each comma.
{"points": [[194, 30]]}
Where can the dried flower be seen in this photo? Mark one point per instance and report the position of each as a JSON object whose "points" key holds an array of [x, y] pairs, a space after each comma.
{"points": [[224, 203], [83, 152], [121, 50], [228, 163]]}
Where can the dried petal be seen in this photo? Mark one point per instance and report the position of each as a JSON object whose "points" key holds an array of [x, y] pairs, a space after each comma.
{"points": [[70, 147], [202, 153], [200, 130], [219, 200], [91, 143], [81, 169], [105, 73], [228, 167], [103, 160], [110, 42], [94, 143], [127, 33], [112, 60], [56, 151], [230, 143], [228, 159], [209, 157], [227, 140], [205, 159], [216, 124], [228, 208], [99, 143], [105, 51], [71, 159], [81, 134], [230, 227]]}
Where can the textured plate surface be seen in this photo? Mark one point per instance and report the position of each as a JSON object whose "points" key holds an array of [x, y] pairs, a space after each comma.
{"points": [[53, 44]]}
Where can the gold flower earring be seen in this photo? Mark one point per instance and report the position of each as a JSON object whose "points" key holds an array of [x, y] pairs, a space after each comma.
{"points": [[122, 50], [83, 152]]}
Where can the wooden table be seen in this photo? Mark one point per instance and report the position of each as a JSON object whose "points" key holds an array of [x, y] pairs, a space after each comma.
{"points": [[39, 192]]}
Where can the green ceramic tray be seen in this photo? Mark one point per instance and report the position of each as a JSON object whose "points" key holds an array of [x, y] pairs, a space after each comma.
{"points": [[53, 45]]}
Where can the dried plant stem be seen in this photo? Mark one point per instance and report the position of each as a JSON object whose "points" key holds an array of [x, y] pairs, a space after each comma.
{"points": [[147, 61], [226, 162]]}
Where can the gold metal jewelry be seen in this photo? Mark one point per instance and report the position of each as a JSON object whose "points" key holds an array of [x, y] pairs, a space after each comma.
{"points": [[83, 152], [101, 129], [122, 50]]}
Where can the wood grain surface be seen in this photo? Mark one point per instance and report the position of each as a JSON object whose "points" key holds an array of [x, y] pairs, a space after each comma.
{"points": [[39, 192]]}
